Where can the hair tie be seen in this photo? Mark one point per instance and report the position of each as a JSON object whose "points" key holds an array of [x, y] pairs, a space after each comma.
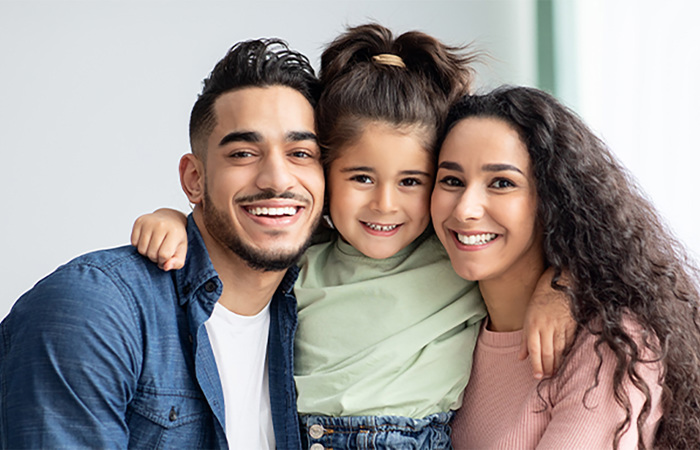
{"points": [[389, 60]]}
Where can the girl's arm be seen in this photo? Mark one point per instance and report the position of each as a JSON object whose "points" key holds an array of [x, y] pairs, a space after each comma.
{"points": [[161, 236], [548, 328]]}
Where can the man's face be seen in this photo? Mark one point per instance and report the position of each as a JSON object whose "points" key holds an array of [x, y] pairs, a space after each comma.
{"points": [[263, 179]]}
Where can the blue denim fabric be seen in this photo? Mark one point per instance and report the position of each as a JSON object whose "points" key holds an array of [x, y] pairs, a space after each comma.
{"points": [[111, 352], [375, 432]]}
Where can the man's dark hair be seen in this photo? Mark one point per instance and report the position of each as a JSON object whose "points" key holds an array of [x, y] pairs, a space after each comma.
{"points": [[254, 63]]}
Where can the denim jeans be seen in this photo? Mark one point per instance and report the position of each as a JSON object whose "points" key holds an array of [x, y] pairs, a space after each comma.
{"points": [[373, 432]]}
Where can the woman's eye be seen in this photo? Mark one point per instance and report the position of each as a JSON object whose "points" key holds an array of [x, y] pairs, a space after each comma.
{"points": [[451, 181], [502, 183], [361, 179], [410, 182]]}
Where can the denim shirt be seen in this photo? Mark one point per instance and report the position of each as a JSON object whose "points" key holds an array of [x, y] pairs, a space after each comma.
{"points": [[111, 352]]}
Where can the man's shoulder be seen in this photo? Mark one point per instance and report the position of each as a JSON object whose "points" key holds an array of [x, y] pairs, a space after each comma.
{"points": [[109, 259], [97, 276], [119, 263]]}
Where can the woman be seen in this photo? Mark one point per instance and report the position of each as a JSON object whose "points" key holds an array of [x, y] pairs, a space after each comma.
{"points": [[523, 185]]}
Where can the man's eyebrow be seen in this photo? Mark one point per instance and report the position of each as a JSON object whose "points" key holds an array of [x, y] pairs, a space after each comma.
{"points": [[500, 168], [241, 136], [295, 136]]}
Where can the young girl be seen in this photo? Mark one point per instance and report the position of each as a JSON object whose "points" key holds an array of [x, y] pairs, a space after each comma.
{"points": [[522, 184], [386, 328]]}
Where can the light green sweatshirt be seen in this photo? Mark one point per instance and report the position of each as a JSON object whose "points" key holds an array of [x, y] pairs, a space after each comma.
{"points": [[383, 337]]}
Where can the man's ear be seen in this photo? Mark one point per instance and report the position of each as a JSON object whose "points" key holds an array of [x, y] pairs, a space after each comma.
{"points": [[192, 177]]}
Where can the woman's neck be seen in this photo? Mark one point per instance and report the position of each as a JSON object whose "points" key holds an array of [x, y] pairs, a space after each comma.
{"points": [[507, 298]]}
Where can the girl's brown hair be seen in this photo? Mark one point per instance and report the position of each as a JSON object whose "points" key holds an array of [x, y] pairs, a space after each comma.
{"points": [[411, 89]]}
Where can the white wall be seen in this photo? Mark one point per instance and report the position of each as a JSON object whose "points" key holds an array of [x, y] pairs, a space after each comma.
{"points": [[95, 100], [631, 68]]}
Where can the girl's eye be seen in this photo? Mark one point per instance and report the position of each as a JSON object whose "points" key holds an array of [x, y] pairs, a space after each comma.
{"points": [[410, 182], [451, 181], [364, 179], [502, 183]]}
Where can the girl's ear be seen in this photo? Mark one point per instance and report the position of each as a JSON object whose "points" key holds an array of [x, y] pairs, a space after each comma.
{"points": [[192, 177]]}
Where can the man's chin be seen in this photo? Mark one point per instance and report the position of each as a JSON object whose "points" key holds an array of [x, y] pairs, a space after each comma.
{"points": [[266, 261]]}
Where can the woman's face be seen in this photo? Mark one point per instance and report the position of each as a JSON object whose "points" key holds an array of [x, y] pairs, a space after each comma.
{"points": [[484, 204]]}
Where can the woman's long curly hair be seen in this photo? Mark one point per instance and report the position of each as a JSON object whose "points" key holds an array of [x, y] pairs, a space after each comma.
{"points": [[619, 256]]}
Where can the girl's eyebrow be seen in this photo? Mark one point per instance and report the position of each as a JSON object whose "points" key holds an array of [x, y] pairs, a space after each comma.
{"points": [[372, 170], [357, 169], [415, 172]]}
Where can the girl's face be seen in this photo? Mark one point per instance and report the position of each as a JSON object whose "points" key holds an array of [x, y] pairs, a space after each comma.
{"points": [[484, 205], [379, 190]]}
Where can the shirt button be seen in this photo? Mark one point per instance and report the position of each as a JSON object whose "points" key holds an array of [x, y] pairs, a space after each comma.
{"points": [[210, 286], [316, 446], [316, 431], [173, 415]]}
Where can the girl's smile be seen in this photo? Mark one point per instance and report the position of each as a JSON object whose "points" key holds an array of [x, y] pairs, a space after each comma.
{"points": [[379, 189]]}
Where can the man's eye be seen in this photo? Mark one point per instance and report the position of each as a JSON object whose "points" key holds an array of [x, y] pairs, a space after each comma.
{"points": [[240, 154], [301, 154], [364, 179]]}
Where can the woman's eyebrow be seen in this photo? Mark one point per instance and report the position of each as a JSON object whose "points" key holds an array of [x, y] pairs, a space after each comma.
{"points": [[450, 165], [500, 168]]}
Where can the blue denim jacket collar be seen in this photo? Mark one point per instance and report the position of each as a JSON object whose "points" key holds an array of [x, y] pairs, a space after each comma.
{"points": [[198, 273], [198, 268]]}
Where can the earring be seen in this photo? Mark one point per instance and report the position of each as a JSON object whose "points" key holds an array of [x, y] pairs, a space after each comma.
{"points": [[329, 222]]}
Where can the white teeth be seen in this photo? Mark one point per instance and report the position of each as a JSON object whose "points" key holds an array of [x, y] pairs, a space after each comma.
{"points": [[476, 239], [376, 227], [286, 211]]}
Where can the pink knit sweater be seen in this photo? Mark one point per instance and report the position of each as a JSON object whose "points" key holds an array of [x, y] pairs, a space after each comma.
{"points": [[501, 406]]}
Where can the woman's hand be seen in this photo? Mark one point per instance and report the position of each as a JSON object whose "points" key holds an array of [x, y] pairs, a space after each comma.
{"points": [[548, 328], [161, 236]]}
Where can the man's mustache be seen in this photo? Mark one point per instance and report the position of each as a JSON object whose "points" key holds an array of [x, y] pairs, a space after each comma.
{"points": [[270, 194]]}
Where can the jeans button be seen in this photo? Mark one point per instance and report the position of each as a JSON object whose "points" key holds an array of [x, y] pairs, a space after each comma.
{"points": [[316, 446], [316, 431]]}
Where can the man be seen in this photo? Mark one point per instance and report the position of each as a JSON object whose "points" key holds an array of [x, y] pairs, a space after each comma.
{"points": [[110, 351]]}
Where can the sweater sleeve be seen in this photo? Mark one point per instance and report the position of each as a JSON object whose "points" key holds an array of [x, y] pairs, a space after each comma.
{"points": [[586, 417]]}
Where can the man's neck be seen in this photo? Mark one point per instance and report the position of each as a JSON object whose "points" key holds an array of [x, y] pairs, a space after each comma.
{"points": [[246, 291]]}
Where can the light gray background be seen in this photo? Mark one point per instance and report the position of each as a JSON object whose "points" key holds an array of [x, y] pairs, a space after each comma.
{"points": [[95, 99]]}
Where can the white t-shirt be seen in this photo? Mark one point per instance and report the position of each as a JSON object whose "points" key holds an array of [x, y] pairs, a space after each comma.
{"points": [[240, 349]]}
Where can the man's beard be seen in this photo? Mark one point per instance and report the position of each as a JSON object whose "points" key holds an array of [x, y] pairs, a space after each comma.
{"points": [[218, 226]]}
